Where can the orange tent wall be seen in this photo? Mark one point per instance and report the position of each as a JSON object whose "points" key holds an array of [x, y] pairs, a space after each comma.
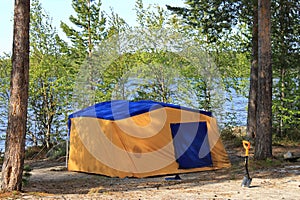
{"points": [[138, 146]]}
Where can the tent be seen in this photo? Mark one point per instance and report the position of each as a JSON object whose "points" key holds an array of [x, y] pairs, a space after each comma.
{"points": [[144, 138]]}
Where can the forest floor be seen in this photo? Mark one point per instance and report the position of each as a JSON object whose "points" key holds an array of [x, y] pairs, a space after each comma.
{"points": [[272, 179]]}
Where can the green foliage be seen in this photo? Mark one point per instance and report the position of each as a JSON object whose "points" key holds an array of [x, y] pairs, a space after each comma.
{"points": [[225, 37], [219, 30], [286, 69], [158, 74], [26, 174], [117, 25], [57, 151], [227, 25], [89, 28], [156, 70], [139, 54], [291, 139], [5, 69], [152, 17], [35, 152], [27, 168], [229, 137], [214, 18], [51, 80], [87, 33], [157, 53]]}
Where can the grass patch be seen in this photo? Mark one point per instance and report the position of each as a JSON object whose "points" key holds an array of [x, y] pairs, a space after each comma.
{"points": [[266, 164], [277, 141]]}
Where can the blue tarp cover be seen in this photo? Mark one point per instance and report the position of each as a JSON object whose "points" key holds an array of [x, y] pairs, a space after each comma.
{"points": [[121, 109]]}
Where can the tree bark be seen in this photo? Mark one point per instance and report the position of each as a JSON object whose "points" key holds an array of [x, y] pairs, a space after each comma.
{"points": [[13, 164], [252, 103], [263, 143]]}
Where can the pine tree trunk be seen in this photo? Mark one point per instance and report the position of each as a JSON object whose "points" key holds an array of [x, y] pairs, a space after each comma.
{"points": [[12, 168], [252, 103], [263, 143]]}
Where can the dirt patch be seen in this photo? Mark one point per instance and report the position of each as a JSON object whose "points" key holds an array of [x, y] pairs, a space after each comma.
{"points": [[273, 179]]}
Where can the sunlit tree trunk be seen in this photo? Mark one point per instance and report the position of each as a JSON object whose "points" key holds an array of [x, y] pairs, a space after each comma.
{"points": [[13, 164], [263, 143]]}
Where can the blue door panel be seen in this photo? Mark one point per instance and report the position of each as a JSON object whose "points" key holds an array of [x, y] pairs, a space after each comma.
{"points": [[192, 149]]}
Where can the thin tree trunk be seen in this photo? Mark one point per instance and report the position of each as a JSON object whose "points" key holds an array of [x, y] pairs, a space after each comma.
{"points": [[90, 48], [49, 121], [282, 96], [263, 143], [48, 133], [283, 64], [13, 164], [252, 102]]}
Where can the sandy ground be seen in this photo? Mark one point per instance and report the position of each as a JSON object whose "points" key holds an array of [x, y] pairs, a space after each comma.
{"points": [[50, 180], [281, 183]]}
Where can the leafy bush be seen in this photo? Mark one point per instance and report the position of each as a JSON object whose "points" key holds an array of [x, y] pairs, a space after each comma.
{"points": [[26, 174], [35, 152], [57, 151], [228, 135]]}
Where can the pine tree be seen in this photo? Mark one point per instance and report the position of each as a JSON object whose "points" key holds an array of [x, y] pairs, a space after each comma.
{"points": [[12, 168], [88, 31], [263, 139], [214, 18]]}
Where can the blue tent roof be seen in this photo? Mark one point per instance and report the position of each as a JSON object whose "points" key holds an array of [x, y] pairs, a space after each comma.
{"points": [[121, 109]]}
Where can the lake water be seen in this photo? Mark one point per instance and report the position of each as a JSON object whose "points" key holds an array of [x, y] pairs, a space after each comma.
{"points": [[237, 108]]}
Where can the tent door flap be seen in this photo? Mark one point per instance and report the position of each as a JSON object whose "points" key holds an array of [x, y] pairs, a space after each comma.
{"points": [[192, 149]]}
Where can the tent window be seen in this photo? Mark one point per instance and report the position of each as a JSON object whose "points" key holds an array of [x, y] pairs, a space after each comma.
{"points": [[192, 149]]}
